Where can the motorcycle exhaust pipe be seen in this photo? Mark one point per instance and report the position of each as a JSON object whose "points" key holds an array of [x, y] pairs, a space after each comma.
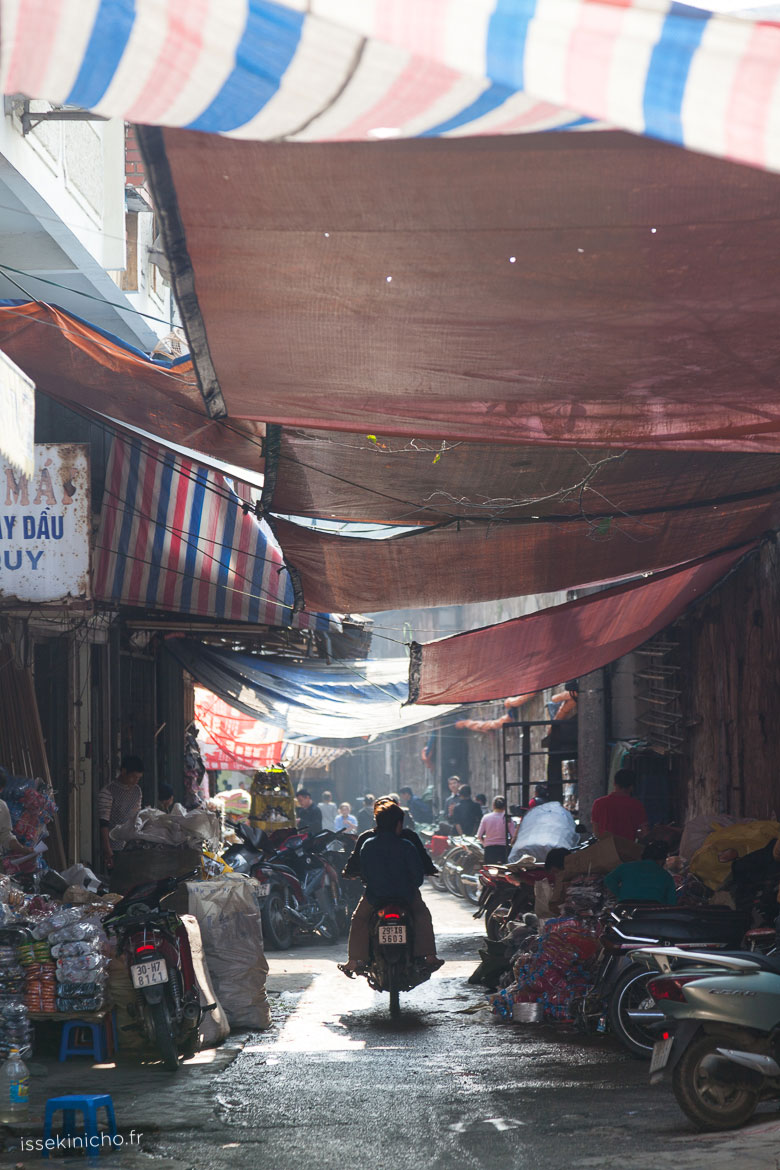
{"points": [[765, 1065], [301, 920]]}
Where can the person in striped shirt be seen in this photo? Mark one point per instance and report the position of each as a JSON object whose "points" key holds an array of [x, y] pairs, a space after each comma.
{"points": [[117, 802]]}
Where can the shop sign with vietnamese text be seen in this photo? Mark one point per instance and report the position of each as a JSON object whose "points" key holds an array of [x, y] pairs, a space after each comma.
{"points": [[45, 526]]}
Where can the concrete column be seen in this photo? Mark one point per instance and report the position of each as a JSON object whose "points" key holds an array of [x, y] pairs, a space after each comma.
{"points": [[592, 762]]}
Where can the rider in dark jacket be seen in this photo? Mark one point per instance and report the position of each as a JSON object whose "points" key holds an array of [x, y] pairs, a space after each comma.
{"points": [[392, 869]]}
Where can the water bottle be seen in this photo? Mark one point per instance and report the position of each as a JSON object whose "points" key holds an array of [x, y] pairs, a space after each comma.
{"points": [[14, 1089]]}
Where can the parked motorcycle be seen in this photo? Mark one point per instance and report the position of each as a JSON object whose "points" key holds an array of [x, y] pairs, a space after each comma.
{"points": [[620, 989], [720, 1037], [156, 949], [505, 896], [392, 966]]}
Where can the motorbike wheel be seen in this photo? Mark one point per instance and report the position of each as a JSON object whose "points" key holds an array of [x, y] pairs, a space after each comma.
{"points": [[437, 881], [710, 1104], [629, 994], [395, 1000], [470, 891], [163, 1034], [452, 881], [277, 931]]}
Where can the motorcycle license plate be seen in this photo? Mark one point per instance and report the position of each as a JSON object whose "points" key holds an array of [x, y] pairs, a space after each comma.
{"points": [[263, 889], [660, 1057], [146, 974], [392, 936]]}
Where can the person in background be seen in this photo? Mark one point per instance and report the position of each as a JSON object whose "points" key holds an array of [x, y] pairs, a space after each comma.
{"points": [[453, 783], [390, 868], [494, 830], [645, 880], [365, 816], [417, 807], [165, 798], [308, 816], [619, 814], [467, 814], [117, 802], [481, 799], [8, 842], [550, 892], [541, 795], [328, 810], [344, 822]]}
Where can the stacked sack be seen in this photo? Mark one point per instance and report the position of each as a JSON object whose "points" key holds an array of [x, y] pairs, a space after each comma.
{"points": [[556, 973], [40, 983], [14, 1024], [78, 948]]}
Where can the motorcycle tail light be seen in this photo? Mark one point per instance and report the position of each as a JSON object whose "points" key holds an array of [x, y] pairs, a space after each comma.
{"points": [[671, 987], [390, 915], [145, 947]]}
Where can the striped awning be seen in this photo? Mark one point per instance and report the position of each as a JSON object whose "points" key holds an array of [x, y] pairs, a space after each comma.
{"points": [[329, 70], [180, 536]]}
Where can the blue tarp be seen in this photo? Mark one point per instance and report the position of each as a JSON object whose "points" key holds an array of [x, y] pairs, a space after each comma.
{"points": [[309, 699]]}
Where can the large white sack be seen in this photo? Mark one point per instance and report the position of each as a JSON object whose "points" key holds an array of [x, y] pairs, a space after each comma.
{"points": [[229, 921], [545, 827], [214, 1026]]}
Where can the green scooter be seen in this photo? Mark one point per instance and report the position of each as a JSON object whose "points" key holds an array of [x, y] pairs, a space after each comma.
{"points": [[720, 1034]]}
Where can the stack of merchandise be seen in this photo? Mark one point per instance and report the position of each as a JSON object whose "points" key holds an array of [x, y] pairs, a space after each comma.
{"points": [[11, 975], [556, 973], [31, 808], [40, 985], [14, 1024], [73, 980], [79, 946]]}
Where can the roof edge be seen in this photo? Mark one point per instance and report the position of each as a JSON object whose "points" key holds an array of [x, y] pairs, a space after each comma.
{"points": [[152, 144]]}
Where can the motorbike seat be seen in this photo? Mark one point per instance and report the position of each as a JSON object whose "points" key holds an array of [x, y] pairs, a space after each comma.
{"points": [[765, 962]]}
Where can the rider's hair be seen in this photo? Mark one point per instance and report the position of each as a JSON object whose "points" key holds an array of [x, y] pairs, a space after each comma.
{"points": [[624, 778], [499, 802], [388, 814]]}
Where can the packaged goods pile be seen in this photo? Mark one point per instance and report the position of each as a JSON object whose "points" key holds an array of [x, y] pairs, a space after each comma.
{"points": [[79, 949], [555, 974], [31, 808]]}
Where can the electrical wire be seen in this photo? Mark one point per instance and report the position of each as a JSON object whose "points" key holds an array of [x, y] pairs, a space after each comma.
{"points": [[6, 268]]}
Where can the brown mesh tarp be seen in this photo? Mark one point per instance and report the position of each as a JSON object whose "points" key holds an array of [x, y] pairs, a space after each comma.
{"points": [[566, 641], [77, 364], [395, 481], [478, 560], [563, 289]]}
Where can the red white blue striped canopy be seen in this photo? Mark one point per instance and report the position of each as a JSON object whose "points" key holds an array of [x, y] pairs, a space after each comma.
{"points": [[174, 535], [330, 70]]}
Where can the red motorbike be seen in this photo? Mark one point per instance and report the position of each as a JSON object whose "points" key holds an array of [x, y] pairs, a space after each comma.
{"points": [[156, 948], [506, 894]]}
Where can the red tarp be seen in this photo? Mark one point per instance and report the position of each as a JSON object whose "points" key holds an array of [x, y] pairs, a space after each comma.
{"points": [[393, 481], [77, 364], [566, 641], [479, 561], [558, 289]]}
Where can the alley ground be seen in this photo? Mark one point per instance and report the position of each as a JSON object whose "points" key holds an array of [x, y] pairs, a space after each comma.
{"points": [[335, 1086]]}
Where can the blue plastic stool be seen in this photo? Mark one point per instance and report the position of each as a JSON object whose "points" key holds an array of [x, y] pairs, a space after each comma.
{"points": [[87, 1105], [96, 1048]]}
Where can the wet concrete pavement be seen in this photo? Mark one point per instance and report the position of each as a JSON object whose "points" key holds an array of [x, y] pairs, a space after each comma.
{"points": [[336, 1085]]}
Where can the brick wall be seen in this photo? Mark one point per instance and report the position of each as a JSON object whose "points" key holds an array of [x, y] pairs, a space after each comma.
{"points": [[134, 166]]}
